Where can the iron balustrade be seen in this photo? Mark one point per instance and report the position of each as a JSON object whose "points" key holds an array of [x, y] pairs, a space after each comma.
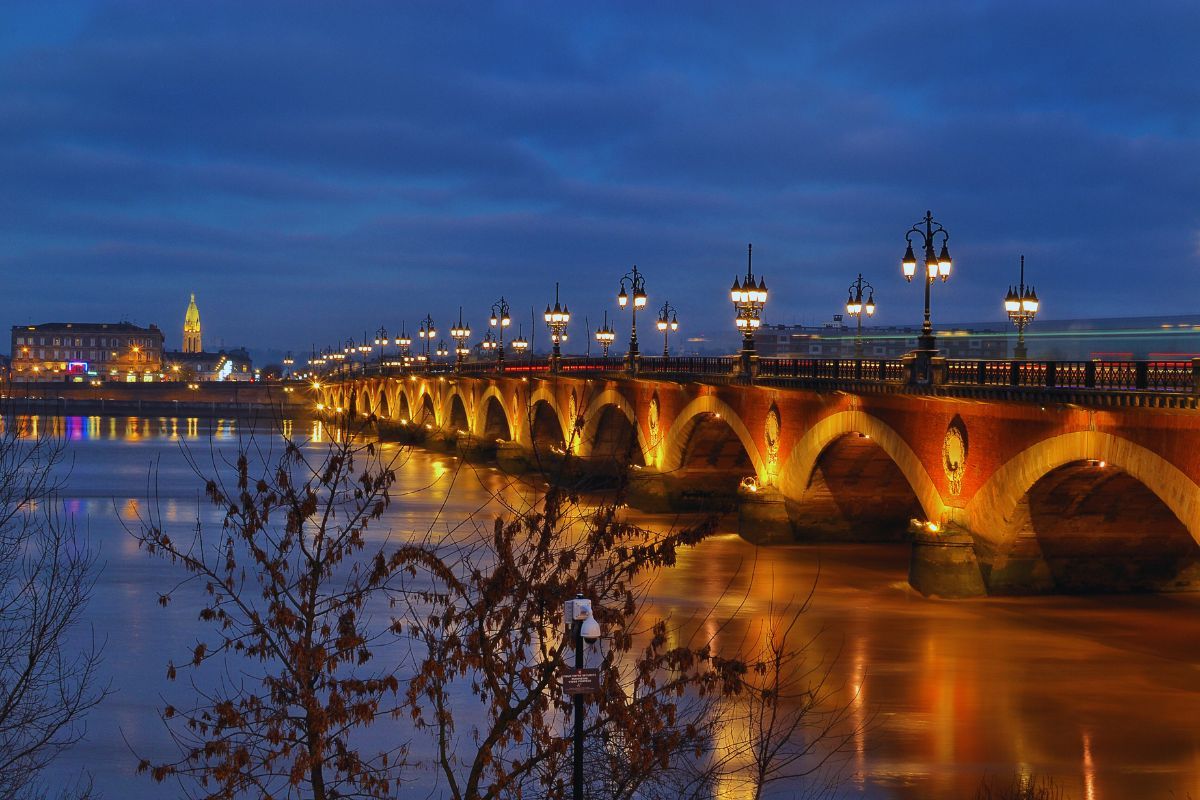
{"points": [[1160, 377]]}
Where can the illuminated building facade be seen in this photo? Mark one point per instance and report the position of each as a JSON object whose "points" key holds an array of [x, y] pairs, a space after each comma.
{"points": [[191, 328], [225, 365], [86, 351]]}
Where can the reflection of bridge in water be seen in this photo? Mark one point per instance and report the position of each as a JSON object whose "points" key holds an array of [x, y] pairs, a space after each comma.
{"points": [[1023, 476]]}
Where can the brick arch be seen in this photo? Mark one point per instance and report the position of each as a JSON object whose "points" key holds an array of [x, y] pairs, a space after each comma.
{"points": [[593, 414], [481, 412], [447, 410], [544, 394], [990, 512], [675, 442], [798, 469]]}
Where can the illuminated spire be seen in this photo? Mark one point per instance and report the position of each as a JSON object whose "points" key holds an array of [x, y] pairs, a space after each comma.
{"points": [[191, 328]]}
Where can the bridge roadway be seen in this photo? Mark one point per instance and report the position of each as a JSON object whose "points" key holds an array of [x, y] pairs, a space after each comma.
{"points": [[1008, 476]]}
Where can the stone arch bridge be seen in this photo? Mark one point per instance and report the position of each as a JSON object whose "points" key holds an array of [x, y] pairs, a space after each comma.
{"points": [[1010, 492]]}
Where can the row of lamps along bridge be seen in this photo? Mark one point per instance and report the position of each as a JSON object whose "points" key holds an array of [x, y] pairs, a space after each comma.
{"points": [[748, 294]]}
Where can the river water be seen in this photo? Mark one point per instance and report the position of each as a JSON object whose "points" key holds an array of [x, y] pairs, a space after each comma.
{"points": [[1100, 693]]}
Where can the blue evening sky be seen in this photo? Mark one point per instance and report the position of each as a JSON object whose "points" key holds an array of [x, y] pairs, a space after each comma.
{"points": [[312, 170]]}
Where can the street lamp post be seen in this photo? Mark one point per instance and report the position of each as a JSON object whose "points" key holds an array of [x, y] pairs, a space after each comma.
{"points": [[404, 342], [606, 335], [288, 361], [426, 331], [749, 299], [637, 287], [935, 266], [442, 351], [556, 320], [381, 341], [520, 344], [500, 320], [668, 322], [856, 308], [460, 334], [365, 350], [1021, 305]]}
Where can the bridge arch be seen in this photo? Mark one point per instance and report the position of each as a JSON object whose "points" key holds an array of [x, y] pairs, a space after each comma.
{"points": [[536, 425], [1087, 511], [608, 402], [456, 414], [491, 417], [797, 471], [675, 445]]}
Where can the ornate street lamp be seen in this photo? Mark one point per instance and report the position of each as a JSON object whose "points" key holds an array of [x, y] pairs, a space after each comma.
{"points": [[667, 323], [1021, 305], [404, 342], [855, 307], [637, 288], [935, 266], [381, 341], [288, 361], [442, 351], [606, 335], [556, 320], [427, 331], [500, 320], [520, 344], [749, 299], [460, 333]]}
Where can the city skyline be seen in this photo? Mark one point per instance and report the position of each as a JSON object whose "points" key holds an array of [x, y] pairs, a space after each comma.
{"points": [[358, 169]]}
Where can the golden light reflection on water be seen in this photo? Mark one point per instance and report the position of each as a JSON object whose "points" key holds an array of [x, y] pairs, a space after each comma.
{"points": [[1100, 693]]}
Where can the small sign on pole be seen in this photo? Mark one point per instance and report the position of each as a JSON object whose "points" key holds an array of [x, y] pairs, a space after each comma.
{"points": [[581, 681]]}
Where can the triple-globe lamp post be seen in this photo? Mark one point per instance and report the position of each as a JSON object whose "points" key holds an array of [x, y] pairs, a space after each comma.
{"points": [[936, 266], [1021, 305], [855, 307]]}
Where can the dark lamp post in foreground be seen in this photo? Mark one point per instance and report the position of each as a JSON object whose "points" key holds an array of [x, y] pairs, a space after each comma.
{"points": [[583, 628], [667, 323], [855, 307], [749, 300], [1021, 305], [927, 231]]}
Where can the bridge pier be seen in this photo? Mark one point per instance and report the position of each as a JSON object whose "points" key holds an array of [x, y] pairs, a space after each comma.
{"points": [[943, 564], [763, 516]]}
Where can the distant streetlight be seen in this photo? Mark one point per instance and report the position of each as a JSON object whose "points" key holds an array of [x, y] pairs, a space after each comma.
{"points": [[460, 334], [499, 320], [427, 331], [668, 323], [935, 266], [1021, 305], [556, 320], [381, 341], [855, 307], [606, 335], [520, 344], [404, 342]]}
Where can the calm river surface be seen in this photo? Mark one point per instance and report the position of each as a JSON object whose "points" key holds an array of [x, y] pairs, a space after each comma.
{"points": [[1101, 692]]}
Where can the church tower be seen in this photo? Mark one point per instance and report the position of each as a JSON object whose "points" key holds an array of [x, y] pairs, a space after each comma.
{"points": [[191, 328]]}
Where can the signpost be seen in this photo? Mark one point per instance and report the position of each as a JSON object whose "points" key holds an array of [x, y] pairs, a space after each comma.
{"points": [[581, 681]]}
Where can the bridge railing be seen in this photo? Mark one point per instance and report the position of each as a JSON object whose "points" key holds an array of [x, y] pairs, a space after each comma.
{"points": [[687, 365], [872, 369], [1155, 376], [1161, 377]]}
